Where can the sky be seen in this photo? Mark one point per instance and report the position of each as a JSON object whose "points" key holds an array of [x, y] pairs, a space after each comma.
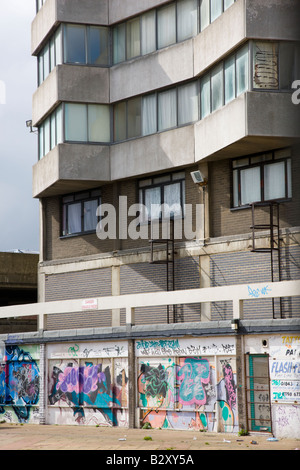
{"points": [[19, 211]]}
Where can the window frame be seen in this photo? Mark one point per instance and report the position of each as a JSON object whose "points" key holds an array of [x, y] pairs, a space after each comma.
{"points": [[76, 198], [261, 164], [141, 189]]}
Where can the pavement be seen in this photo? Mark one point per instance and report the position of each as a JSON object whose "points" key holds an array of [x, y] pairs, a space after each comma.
{"points": [[51, 437]]}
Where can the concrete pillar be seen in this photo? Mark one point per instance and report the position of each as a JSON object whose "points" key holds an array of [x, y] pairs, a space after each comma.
{"points": [[131, 384], [43, 387], [115, 290], [241, 382]]}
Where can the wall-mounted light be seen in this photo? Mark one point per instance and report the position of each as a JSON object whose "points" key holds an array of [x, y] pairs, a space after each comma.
{"points": [[29, 124], [235, 324], [198, 178]]}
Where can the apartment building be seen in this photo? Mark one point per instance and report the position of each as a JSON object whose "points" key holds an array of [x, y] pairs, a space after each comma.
{"points": [[168, 179]]}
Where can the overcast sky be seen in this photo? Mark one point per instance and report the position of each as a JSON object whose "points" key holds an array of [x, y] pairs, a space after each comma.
{"points": [[19, 213]]}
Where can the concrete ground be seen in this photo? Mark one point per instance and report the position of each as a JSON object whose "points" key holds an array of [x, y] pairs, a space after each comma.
{"points": [[48, 437]]}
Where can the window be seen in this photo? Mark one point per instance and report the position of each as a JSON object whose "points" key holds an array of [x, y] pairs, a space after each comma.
{"points": [[50, 56], [133, 44], [87, 122], [166, 26], [274, 65], [127, 119], [148, 33], [86, 45], [167, 109], [79, 212], [50, 132], [263, 177], [217, 87], [119, 42], [187, 19], [242, 70], [162, 196], [188, 103], [149, 114]]}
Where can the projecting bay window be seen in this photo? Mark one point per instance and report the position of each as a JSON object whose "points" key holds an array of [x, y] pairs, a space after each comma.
{"points": [[275, 65], [162, 196], [50, 132], [87, 123], [164, 26], [79, 212], [261, 178]]}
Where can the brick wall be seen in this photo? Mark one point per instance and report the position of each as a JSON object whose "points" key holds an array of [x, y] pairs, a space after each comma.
{"points": [[224, 221]]}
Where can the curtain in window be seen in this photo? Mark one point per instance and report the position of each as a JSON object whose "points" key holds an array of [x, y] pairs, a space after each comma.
{"points": [[217, 87], [59, 125], [152, 202], [46, 55], [149, 115], [205, 96], [242, 70], [120, 121], [204, 14], [187, 19], [229, 74], [166, 24], [58, 48], [75, 44], [133, 38], [274, 181], [41, 141], [167, 110], [74, 218], [134, 117], [53, 130], [215, 9], [250, 185], [119, 43], [148, 32], [89, 215], [187, 103], [172, 200], [47, 135], [99, 123], [76, 122]]}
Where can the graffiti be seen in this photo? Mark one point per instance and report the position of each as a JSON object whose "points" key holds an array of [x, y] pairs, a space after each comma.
{"points": [[192, 375], [255, 293], [266, 66], [229, 385], [87, 385], [19, 383], [73, 350], [184, 347]]}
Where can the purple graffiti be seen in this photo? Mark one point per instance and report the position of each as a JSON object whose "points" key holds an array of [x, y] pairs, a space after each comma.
{"points": [[229, 385]]}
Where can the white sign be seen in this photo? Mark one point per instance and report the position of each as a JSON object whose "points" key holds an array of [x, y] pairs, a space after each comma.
{"points": [[89, 304]]}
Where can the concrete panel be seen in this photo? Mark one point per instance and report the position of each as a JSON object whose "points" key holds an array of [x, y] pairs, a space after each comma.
{"points": [[68, 11], [163, 151], [276, 20], [219, 38], [43, 22], [221, 128], [45, 97], [70, 83], [168, 67], [71, 167], [122, 9], [272, 114]]}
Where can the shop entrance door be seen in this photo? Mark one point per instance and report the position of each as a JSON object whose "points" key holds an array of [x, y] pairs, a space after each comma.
{"points": [[258, 393]]}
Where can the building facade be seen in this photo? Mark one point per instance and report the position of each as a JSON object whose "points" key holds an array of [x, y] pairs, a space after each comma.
{"points": [[168, 163]]}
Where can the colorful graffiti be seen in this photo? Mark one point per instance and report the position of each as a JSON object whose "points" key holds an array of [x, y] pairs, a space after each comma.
{"points": [[89, 385], [182, 393], [19, 383]]}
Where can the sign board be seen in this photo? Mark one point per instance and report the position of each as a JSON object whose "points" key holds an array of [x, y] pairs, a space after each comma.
{"points": [[89, 304]]}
